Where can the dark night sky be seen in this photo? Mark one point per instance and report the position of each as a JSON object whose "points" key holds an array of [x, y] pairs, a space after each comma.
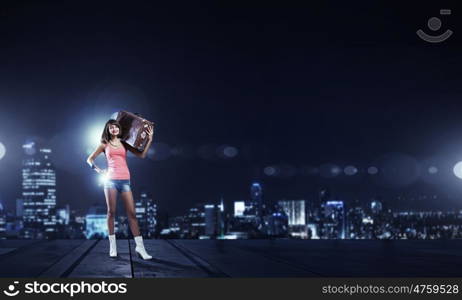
{"points": [[302, 86]]}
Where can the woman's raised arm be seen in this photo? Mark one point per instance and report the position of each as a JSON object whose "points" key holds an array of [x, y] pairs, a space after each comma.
{"points": [[144, 153]]}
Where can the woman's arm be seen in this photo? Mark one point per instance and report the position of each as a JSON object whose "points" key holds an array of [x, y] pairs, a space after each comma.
{"points": [[91, 158]]}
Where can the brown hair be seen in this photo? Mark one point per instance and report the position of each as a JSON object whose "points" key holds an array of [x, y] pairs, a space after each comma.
{"points": [[106, 136]]}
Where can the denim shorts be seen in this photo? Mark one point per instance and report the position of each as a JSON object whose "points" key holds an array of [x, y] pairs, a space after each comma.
{"points": [[122, 185]]}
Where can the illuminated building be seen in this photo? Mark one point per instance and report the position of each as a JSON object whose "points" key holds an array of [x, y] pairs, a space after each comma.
{"points": [[76, 227], [221, 219], [312, 231], [357, 220], [195, 222], [214, 219], [239, 208], [245, 220], [376, 206], [63, 215], [176, 227], [210, 220], [250, 210], [146, 214], [38, 192], [275, 224], [151, 216], [256, 198], [96, 222], [334, 224], [121, 227], [295, 211]]}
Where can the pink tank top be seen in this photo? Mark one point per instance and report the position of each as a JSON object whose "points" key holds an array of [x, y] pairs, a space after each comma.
{"points": [[117, 162]]}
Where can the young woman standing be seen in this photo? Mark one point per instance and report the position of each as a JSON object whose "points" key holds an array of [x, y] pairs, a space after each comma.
{"points": [[119, 181]]}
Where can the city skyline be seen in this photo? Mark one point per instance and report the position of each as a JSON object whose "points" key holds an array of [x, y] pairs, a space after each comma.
{"points": [[39, 215], [330, 174]]}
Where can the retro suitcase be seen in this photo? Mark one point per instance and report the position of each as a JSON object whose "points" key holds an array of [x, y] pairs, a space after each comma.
{"points": [[134, 129]]}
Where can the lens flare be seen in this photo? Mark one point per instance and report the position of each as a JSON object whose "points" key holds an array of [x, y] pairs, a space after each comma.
{"points": [[2, 150], [458, 169], [103, 178], [94, 135]]}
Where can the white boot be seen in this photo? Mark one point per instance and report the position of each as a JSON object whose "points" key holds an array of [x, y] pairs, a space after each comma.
{"points": [[112, 246], [140, 248]]}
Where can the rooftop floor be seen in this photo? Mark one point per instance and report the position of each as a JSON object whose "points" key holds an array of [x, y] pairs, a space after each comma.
{"points": [[232, 258]]}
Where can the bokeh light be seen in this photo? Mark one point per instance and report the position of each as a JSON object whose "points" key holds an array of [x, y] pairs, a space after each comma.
{"points": [[230, 151], [270, 171], [437, 170], [329, 170], [458, 169], [432, 170], [350, 170], [2, 150], [372, 170], [226, 151]]}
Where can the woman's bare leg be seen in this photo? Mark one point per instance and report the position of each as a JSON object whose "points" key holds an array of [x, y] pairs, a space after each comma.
{"points": [[111, 201], [127, 198]]}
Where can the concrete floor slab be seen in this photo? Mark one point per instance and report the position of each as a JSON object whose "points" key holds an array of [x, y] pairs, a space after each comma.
{"points": [[232, 258]]}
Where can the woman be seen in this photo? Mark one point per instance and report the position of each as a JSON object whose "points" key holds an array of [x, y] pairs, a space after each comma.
{"points": [[119, 181]]}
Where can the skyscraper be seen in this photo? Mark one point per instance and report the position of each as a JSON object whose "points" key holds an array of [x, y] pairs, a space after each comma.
{"points": [[295, 210], [210, 220], [151, 216], [239, 208], [256, 198], [335, 222], [221, 218], [38, 192], [214, 219], [146, 213], [140, 211], [195, 221], [324, 194]]}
